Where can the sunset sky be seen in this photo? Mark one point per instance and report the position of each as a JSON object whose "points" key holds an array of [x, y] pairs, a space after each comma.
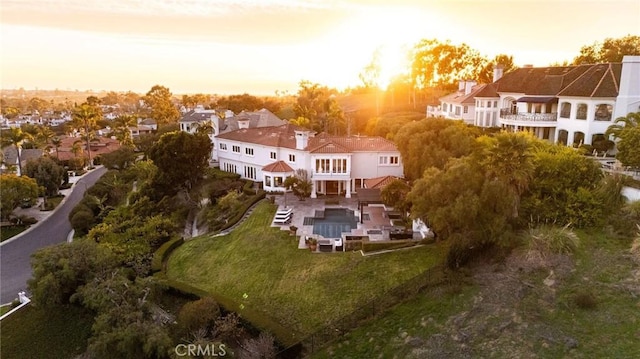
{"points": [[260, 46]]}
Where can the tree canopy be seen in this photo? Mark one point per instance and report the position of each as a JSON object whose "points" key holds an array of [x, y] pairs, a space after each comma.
{"points": [[609, 50], [47, 173], [160, 106], [14, 190], [431, 143], [627, 131], [181, 158], [318, 104]]}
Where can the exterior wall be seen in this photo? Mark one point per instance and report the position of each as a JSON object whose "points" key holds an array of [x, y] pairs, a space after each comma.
{"points": [[487, 111], [456, 111], [629, 96], [357, 165], [568, 120]]}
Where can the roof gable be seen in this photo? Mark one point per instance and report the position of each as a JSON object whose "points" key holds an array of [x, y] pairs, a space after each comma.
{"points": [[277, 167]]}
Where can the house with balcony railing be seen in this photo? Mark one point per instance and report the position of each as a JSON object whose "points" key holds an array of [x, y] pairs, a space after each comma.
{"points": [[573, 105], [336, 165]]}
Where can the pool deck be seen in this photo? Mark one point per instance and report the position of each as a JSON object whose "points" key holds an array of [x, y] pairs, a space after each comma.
{"points": [[307, 208]]}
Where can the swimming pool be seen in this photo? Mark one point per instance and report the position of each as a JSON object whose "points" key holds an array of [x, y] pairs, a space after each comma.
{"points": [[332, 222]]}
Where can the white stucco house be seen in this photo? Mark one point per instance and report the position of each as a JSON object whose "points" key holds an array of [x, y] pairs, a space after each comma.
{"points": [[336, 165], [573, 105]]}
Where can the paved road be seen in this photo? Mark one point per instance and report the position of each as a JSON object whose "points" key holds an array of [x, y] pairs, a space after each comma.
{"points": [[15, 256]]}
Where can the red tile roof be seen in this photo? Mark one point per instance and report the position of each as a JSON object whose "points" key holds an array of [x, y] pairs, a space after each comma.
{"points": [[378, 182], [277, 167]]}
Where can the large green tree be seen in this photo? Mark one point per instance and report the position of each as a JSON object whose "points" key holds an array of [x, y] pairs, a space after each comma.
{"points": [[13, 191], [318, 104], [160, 105], [562, 188], [181, 158], [442, 64], [609, 50], [431, 143], [47, 173], [60, 270]]}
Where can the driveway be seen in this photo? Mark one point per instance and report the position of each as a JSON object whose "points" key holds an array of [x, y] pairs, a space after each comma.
{"points": [[15, 253]]}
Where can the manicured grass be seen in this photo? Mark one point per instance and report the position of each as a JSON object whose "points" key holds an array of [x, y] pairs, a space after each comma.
{"points": [[10, 231], [262, 268], [4, 309], [37, 333]]}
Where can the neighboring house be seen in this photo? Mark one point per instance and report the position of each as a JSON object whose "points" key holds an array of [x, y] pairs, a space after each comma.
{"points": [[148, 122], [573, 105], [10, 159], [336, 165], [245, 119], [100, 145], [459, 105]]}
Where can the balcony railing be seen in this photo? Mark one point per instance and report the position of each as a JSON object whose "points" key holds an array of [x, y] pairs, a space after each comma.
{"points": [[507, 114]]}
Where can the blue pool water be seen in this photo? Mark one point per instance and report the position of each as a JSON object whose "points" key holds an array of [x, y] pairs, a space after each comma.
{"points": [[334, 222]]}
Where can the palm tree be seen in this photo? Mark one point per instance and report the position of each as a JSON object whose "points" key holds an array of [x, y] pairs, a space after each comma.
{"points": [[45, 134], [122, 131], [56, 142], [15, 137], [509, 160], [84, 118], [630, 121], [76, 148]]}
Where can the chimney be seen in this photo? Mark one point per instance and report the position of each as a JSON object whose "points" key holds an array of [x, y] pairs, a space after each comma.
{"points": [[243, 123], [461, 85], [628, 99], [302, 139], [527, 66], [215, 122], [498, 71], [468, 85]]}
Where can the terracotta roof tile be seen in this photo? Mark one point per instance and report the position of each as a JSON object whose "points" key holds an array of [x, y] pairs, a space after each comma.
{"points": [[277, 167], [378, 182]]}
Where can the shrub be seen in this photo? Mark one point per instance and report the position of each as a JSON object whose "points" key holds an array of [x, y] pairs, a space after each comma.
{"points": [[553, 240], [26, 220], [199, 314], [82, 221], [463, 250], [585, 299]]}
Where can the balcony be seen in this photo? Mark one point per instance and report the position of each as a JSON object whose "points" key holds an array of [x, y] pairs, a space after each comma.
{"points": [[508, 117]]}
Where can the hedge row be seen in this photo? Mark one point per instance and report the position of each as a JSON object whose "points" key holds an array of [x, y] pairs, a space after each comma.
{"points": [[248, 188], [252, 317], [245, 207], [161, 255]]}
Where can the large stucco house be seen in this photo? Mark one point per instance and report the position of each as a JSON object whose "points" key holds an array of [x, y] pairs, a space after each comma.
{"points": [[336, 165], [565, 104]]}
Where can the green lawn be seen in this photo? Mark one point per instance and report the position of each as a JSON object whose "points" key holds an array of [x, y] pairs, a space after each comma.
{"points": [[262, 268], [36, 333], [10, 231]]}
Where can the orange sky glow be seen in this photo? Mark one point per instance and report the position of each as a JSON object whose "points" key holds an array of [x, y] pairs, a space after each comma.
{"points": [[258, 47]]}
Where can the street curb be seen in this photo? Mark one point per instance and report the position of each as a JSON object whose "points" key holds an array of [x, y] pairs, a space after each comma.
{"points": [[72, 188]]}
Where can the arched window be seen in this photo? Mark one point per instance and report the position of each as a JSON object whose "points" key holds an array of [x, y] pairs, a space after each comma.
{"points": [[565, 110], [578, 139], [581, 114], [603, 112], [563, 136]]}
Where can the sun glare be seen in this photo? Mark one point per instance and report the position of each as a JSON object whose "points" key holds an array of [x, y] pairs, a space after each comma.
{"points": [[385, 33]]}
